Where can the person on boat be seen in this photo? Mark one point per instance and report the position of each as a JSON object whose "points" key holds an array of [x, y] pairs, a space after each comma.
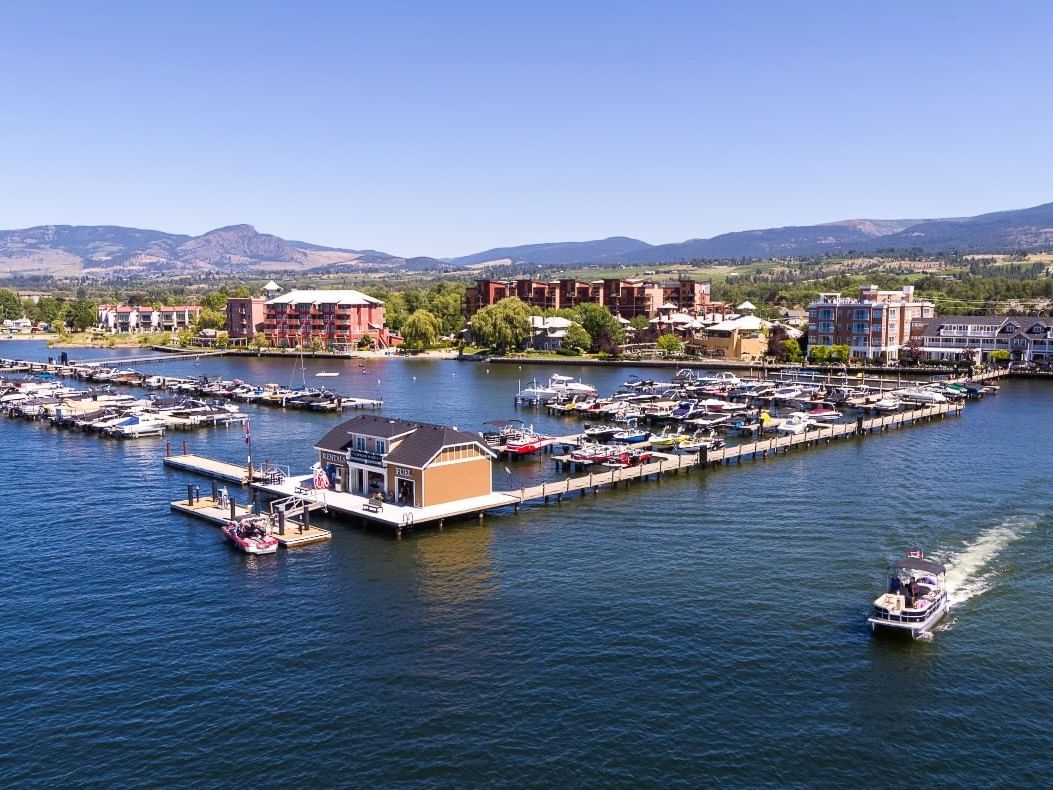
{"points": [[908, 596], [894, 584], [913, 587]]}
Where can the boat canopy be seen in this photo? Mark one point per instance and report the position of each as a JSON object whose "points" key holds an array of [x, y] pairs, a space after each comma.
{"points": [[916, 565]]}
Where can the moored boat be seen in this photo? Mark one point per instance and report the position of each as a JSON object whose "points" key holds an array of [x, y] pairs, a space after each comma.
{"points": [[252, 535]]}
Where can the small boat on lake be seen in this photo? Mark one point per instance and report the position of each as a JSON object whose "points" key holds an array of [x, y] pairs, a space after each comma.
{"points": [[915, 597], [252, 535]]}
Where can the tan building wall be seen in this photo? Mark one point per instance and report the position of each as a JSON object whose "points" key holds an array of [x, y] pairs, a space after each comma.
{"points": [[395, 473], [737, 346], [447, 482]]}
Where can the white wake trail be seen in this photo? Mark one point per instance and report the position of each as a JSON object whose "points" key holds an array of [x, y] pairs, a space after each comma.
{"points": [[967, 576]]}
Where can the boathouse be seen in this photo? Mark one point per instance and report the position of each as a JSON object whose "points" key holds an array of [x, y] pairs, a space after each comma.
{"points": [[412, 464]]}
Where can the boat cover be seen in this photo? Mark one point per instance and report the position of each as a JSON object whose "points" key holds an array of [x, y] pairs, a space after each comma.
{"points": [[917, 565]]}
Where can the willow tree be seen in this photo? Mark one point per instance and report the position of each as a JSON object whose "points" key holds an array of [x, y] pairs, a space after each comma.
{"points": [[420, 330], [502, 326]]}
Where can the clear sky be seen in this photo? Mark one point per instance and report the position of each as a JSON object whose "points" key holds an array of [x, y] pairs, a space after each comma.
{"points": [[445, 128]]}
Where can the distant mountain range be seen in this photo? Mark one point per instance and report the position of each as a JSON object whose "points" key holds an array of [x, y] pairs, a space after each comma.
{"points": [[108, 251], [1005, 231]]}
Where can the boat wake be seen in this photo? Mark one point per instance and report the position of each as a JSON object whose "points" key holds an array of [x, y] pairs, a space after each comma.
{"points": [[968, 572]]}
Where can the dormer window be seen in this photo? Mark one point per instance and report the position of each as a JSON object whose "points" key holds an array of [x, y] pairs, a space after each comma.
{"points": [[1009, 329], [1037, 329]]}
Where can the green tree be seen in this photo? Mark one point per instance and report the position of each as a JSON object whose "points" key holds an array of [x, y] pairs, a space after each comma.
{"points": [[840, 353], [215, 301], [670, 345], [640, 323], [421, 330], [210, 319], [819, 354], [791, 350], [50, 309], [603, 327], [576, 339], [502, 326], [10, 305], [81, 314], [446, 302], [999, 357]]}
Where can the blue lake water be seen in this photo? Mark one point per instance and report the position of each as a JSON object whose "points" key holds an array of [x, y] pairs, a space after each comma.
{"points": [[709, 628]]}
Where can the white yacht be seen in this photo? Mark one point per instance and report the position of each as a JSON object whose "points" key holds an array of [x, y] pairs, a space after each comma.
{"points": [[915, 597]]}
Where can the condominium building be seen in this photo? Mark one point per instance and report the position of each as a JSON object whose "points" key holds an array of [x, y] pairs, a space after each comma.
{"points": [[245, 316], [339, 320], [974, 337], [624, 297], [129, 319], [874, 325]]}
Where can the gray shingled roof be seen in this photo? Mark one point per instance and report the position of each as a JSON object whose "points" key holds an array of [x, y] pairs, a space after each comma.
{"points": [[422, 440], [424, 444]]}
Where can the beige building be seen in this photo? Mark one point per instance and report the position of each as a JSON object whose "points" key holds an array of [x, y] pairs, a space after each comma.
{"points": [[744, 338], [412, 464]]}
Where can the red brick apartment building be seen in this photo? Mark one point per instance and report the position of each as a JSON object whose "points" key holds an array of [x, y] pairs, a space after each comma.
{"points": [[623, 297], [339, 319]]}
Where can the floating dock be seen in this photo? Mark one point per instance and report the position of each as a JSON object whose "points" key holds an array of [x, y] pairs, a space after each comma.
{"points": [[210, 467], [217, 513]]}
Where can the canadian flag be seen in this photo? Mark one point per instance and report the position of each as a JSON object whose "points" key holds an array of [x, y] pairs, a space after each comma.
{"points": [[916, 555]]}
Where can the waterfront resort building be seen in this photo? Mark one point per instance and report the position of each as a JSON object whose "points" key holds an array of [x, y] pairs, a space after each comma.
{"points": [[129, 319], [974, 337], [337, 320], [742, 339], [626, 298], [412, 464], [874, 325]]}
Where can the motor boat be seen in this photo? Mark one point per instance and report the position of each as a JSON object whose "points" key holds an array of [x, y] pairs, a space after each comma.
{"points": [[536, 393], [701, 440], [567, 385], [137, 425], [600, 433], [631, 435], [922, 396], [795, 424], [888, 404], [915, 597], [252, 535], [824, 414], [525, 442]]}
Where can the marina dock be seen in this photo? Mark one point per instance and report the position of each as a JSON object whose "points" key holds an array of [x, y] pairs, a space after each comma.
{"points": [[212, 511], [211, 467], [400, 519]]}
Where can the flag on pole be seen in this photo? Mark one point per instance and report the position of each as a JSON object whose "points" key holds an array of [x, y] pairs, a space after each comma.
{"points": [[916, 555]]}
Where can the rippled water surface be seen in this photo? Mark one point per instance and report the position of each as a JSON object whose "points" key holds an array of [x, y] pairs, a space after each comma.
{"points": [[708, 628]]}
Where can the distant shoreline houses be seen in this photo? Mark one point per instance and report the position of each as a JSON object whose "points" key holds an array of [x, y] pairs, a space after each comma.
{"points": [[130, 319]]}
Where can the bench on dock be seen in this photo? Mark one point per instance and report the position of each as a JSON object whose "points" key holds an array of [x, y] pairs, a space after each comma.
{"points": [[373, 506]]}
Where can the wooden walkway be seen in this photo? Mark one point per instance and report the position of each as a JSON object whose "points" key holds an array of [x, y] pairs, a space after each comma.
{"points": [[824, 434], [210, 467], [673, 464]]}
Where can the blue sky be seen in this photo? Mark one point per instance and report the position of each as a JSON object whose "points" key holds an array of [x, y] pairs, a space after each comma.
{"points": [[447, 128]]}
